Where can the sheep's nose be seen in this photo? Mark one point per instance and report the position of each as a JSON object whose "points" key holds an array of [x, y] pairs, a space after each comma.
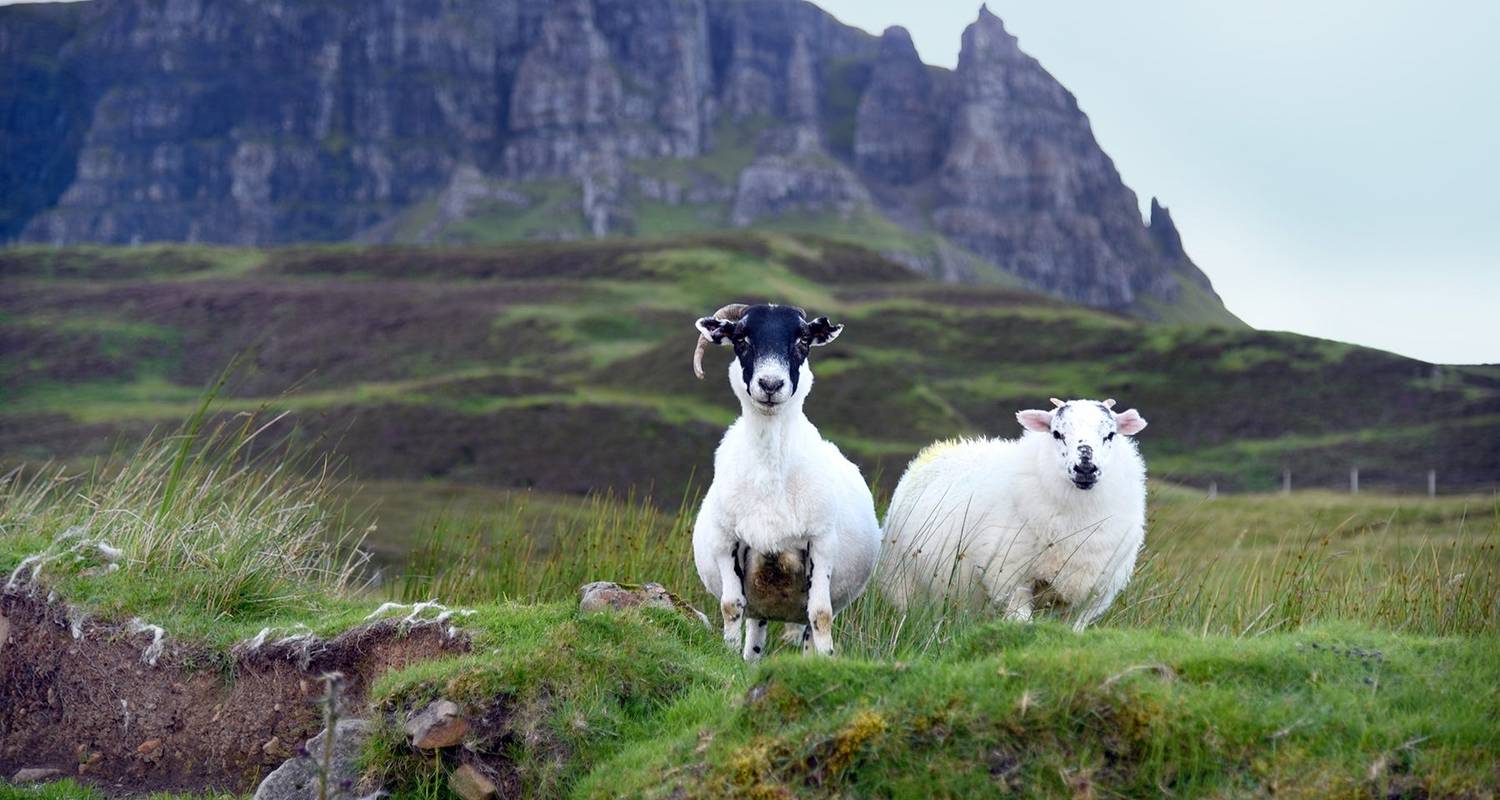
{"points": [[771, 385], [1085, 470]]}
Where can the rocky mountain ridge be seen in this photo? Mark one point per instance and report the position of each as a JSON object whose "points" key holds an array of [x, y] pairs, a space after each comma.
{"points": [[232, 121]]}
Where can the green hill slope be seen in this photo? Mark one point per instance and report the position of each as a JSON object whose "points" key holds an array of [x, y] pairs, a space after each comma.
{"points": [[168, 617], [566, 366]]}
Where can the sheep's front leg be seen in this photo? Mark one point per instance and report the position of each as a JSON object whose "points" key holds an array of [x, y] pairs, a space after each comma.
{"points": [[755, 638], [1094, 607], [1018, 605], [731, 600], [820, 602]]}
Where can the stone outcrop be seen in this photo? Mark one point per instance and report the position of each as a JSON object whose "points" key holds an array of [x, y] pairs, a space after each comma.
{"points": [[1024, 184], [776, 185], [271, 121], [896, 130]]}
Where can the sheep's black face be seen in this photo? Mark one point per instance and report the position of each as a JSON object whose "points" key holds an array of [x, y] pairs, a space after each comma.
{"points": [[771, 344]]}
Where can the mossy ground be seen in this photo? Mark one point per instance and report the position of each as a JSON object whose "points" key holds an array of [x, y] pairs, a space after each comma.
{"points": [[1040, 711], [1337, 687]]}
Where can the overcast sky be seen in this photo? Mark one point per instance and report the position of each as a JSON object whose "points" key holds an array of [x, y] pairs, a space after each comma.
{"points": [[1333, 166]]}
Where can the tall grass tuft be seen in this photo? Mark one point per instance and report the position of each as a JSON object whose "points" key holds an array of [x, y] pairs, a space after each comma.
{"points": [[201, 522], [1445, 589], [500, 556]]}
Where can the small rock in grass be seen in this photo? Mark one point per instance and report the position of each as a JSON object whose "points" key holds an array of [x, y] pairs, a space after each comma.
{"points": [[471, 784], [150, 750], [602, 595], [437, 726], [35, 774], [93, 761], [274, 748]]}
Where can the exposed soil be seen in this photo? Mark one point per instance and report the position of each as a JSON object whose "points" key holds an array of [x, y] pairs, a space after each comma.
{"points": [[197, 720]]}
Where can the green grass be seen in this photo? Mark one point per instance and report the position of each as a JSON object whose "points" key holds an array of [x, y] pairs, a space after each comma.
{"points": [[554, 209], [69, 789], [197, 532], [1311, 645], [655, 219], [1195, 305], [104, 263], [1234, 567], [1038, 711]]}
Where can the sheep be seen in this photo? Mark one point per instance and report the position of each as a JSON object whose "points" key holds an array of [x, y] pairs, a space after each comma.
{"points": [[1061, 509], [787, 530]]}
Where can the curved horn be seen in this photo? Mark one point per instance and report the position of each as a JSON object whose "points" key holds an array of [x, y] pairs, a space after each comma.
{"points": [[1056, 403], [1110, 404], [728, 313]]}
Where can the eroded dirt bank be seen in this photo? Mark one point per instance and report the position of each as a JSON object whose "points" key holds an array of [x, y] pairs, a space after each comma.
{"points": [[82, 697]]}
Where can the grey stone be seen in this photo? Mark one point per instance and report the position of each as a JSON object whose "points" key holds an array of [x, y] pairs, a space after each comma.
{"points": [[897, 126], [778, 185], [605, 595], [35, 775], [297, 777]]}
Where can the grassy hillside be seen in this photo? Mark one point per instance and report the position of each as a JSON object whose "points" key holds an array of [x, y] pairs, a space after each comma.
{"points": [[1184, 688], [564, 367]]}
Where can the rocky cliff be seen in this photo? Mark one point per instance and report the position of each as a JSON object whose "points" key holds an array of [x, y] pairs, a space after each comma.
{"points": [[269, 121]]}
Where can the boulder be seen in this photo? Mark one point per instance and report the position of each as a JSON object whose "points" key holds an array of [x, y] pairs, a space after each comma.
{"points": [[297, 777]]}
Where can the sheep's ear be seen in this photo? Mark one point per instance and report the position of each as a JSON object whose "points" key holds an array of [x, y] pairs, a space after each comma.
{"points": [[820, 331], [716, 330], [1035, 420], [1130, 422]]}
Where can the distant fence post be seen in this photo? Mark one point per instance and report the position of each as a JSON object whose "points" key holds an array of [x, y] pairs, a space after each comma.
{"points": [[1286, 480], [1432, 483], [1354, 480], [1213, 490]]}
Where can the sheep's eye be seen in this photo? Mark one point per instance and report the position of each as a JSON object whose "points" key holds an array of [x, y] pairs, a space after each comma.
{"points": [[1110, 436], [1058, 436]]}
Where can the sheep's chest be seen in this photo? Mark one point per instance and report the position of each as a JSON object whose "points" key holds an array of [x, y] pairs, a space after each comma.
{"points": [[770, 517], [776, 584]]}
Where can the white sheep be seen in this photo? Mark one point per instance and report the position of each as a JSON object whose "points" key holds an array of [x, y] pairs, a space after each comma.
{"points": [[1061, 509], [787, 530]]}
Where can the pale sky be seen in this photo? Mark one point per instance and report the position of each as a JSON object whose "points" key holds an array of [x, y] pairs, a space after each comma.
{"points": [[1333, 166]]}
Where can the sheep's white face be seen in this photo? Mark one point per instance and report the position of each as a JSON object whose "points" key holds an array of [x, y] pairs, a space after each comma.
{"points": [[1084, 434], [771, 345]]}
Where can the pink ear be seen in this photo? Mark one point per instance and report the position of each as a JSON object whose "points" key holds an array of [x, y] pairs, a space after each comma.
{"points": [[1033, 420], [1130, 422]]}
